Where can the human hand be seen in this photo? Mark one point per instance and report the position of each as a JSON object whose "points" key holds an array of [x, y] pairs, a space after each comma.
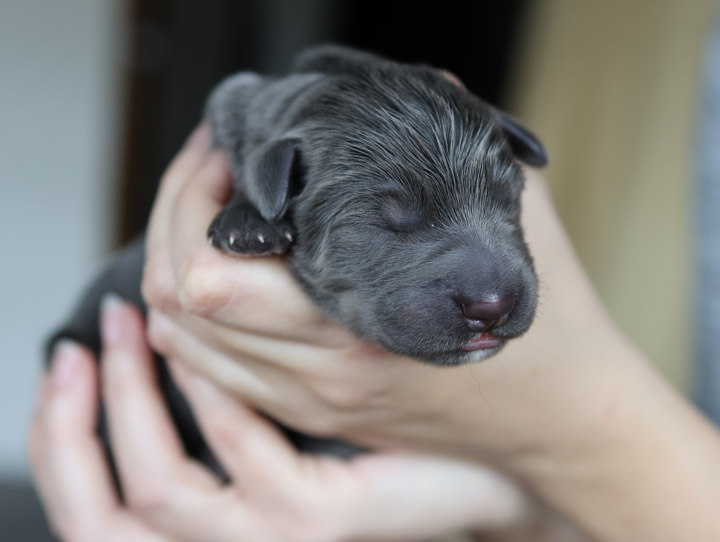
{"points": [[275, 494], [245, 324]]}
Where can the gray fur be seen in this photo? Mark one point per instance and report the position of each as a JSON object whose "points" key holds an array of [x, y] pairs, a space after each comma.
{"points": [[369, 132]]}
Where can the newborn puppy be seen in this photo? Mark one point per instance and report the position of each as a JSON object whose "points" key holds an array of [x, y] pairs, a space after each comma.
{"points": [[395, 193]]}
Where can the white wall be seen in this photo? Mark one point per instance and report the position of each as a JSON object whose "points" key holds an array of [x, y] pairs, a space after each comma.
{"points": [[59, 109]]}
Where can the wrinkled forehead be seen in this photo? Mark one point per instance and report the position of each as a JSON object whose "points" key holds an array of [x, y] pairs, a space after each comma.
{"points": [[434, 156], [424, 137], [438, 129]]}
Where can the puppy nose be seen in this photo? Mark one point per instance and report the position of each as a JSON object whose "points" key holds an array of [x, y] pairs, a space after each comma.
{"points": [[486, 314]]}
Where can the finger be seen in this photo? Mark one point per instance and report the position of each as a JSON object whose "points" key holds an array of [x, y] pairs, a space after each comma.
{"points": [[172, 494], [216, 348], [197, 204], [158, 282], [244, 442], [257, 295], [267, 379], [183, 167], [67, 460], [255, 300], [244, 375], [329, 385], [210, 283], [256, 381], [150, 458]]}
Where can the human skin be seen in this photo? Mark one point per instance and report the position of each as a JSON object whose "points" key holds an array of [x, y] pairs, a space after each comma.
{"points": [[275, 493], [571, 408]]}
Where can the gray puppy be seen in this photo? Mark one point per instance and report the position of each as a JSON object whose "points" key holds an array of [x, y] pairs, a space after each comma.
{"points": [[395, 193]]}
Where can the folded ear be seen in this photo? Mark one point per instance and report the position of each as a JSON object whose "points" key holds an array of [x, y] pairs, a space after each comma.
{"points": [[271, 176], [526, 147]]}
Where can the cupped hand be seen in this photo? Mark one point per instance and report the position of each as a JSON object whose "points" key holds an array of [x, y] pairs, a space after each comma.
{"points": [[275, 493], [245, 324]]}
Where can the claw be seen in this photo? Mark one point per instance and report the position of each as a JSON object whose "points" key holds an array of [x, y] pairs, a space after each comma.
{"points": [[261, 238], [232, 238]]}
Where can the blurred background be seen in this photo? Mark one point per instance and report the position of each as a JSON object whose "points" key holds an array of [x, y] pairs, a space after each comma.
{"points": [[97, 95]]}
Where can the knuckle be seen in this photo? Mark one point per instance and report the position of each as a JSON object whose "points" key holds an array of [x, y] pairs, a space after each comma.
{"points": [[147, 499], [202, 289], [352, 390], [349, 386], [341, 396]]}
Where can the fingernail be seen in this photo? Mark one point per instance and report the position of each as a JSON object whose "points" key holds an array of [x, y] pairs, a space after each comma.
{"points": [[110, 325], [66, 357]]}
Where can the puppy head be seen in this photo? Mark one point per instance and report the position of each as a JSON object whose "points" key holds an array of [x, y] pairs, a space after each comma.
{"points": [[408, 220]]}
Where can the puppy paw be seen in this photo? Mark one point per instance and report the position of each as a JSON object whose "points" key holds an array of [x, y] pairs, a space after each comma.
{"points": [[239, 229]]}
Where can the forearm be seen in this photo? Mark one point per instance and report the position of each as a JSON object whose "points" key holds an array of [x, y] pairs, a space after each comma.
{"points": [[639, 464]]}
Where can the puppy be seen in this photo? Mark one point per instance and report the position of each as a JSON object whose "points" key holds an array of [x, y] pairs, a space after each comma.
{"points": [[395, 194]]}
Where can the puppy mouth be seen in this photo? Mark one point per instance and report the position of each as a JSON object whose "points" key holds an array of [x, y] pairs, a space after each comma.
{"points": [[484, 341]]}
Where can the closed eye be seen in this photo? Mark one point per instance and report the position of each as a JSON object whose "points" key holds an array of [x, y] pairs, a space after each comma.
{"points": [[401, 218]]}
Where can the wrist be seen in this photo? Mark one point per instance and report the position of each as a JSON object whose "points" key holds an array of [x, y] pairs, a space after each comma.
{"points": [[633, 461]]}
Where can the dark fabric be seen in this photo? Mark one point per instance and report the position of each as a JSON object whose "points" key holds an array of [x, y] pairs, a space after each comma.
{"points": [[21, 516]]}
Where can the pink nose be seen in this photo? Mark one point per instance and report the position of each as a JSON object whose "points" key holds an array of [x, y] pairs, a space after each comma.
{"points": [[487, 314]]}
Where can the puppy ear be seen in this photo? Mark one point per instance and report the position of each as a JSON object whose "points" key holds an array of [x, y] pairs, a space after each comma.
{"points": [[271, 177], [526, 147], [335, 60]]}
